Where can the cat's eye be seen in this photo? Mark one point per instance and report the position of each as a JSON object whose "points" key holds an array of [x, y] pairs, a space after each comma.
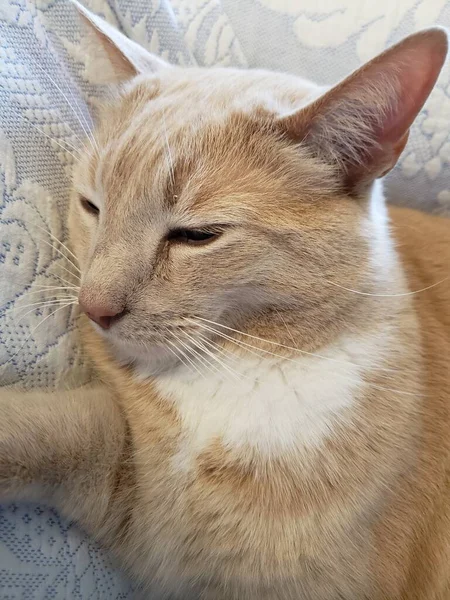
{"points": [[196, 237], [89, 206]]}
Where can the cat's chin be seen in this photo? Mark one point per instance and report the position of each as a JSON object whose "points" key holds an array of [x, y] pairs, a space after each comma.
{"points": [[146, 362]]}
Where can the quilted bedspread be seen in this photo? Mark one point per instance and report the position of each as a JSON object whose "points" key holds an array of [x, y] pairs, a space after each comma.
{"points": [[46, 87]]}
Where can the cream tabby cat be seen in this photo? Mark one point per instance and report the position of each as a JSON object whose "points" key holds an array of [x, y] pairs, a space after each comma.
{"points": [[271, 415]]}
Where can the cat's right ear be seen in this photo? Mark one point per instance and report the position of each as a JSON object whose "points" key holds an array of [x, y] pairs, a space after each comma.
{"points": [[121, 58]]}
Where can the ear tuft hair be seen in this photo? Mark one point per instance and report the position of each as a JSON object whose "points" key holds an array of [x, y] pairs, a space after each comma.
{"points": [[362, 124]]}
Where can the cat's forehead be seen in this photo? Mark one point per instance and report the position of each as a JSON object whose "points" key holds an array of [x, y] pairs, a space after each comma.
{"points": [[176, 99], [193, 135], [219, 90]]}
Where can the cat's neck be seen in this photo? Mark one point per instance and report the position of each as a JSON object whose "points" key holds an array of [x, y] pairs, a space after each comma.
{"points": [[273, 405]]}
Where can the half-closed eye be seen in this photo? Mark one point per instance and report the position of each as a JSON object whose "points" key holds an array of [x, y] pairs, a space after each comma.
{"points": [[197, 237], [89, 206]]}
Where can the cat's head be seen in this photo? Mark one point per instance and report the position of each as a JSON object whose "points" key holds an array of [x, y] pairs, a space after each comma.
{"points": [[219, 195]]}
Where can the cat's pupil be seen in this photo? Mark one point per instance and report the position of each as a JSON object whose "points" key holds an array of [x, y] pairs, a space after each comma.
{"points": [[191, 236]]}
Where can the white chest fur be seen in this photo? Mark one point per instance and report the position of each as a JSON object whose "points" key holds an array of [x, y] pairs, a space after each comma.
{"points": [[274, 404]]}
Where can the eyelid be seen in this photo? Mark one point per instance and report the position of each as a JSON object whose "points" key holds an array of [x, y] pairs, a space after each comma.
{"points": [[216, 228]]}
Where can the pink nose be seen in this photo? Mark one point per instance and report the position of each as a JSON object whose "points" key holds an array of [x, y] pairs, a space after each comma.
{"points": [[102, 315]]}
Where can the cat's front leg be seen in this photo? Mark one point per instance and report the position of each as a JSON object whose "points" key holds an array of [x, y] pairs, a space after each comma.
{"points": [[68, 449]]}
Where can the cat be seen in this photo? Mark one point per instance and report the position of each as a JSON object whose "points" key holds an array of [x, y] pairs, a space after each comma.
{"points": [[270, 415]]}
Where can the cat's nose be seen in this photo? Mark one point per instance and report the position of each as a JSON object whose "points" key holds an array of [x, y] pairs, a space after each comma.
{"points": [[100, 313]]}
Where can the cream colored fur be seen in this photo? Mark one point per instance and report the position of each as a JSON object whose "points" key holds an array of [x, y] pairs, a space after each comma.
{"points": [[272, 405]]}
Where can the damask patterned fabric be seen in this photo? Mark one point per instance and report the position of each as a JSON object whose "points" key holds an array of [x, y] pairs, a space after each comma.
{"points": [[46, 83]]}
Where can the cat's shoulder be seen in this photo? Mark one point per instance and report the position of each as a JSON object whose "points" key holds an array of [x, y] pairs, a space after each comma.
{"points": [[423, 242]]}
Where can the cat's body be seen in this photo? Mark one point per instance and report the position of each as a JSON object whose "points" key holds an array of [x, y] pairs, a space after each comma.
{"points": [[368, 469], [283, 432]]}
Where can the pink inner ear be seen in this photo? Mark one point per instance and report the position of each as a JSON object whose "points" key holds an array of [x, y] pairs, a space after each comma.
{"points": [[414, 68], [362, 123]]}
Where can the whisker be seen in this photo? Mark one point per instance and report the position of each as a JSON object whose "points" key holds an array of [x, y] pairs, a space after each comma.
{"points": [[195, 354], [39, 325], [186, 349], [69, 104], [202, 347], [226, 353], [76, 158], [89, 126], [313, 354], [77, 275], [48, 288], [179, 358], [45, 305], [183, 355], [67, 271], [70, 283], [44, 302], [287, 328], [428, 287], [229, 355], [72, 146], [62, 254], [245, 346], [48, 232], [169, 153], [196, 348]]}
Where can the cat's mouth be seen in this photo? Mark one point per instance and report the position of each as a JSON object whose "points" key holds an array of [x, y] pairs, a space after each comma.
{"points": [[134, 342], [150, 348], [156, 342]]}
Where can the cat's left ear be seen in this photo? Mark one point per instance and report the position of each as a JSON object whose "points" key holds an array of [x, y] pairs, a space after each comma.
{"points": [[125, 59], [362, 124]]}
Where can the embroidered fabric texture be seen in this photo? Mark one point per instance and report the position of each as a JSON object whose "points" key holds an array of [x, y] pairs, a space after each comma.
{"points": [[42, 70]]}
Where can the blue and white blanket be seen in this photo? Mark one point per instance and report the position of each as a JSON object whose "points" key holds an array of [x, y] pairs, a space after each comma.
{"points": [[43, 71]]}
